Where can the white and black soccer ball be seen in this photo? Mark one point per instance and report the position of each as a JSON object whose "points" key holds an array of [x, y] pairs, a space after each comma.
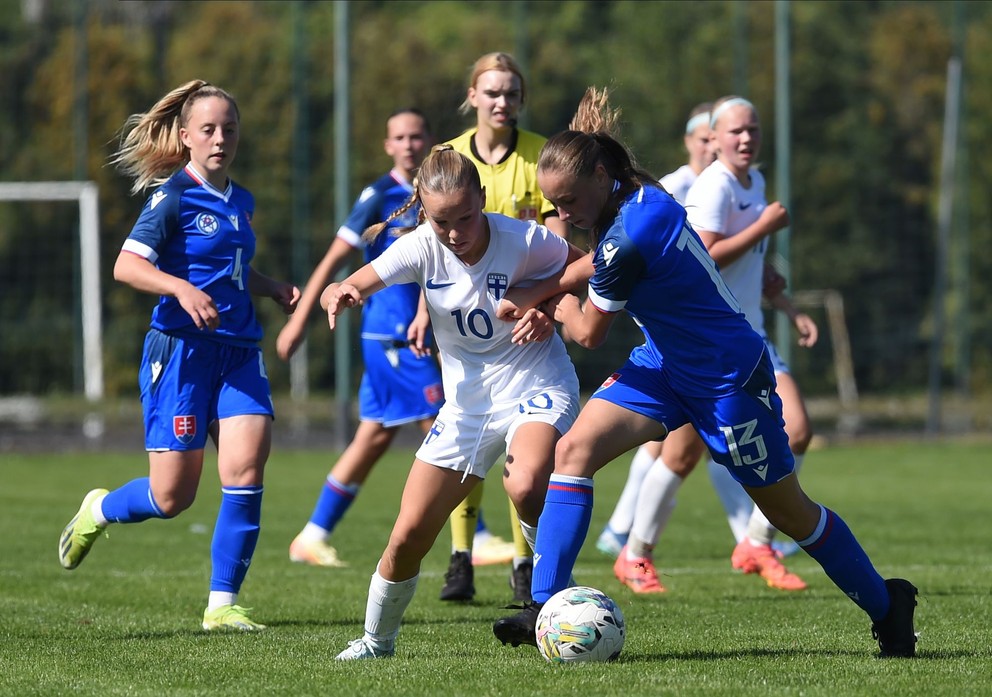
{"points": [[580, 624]]}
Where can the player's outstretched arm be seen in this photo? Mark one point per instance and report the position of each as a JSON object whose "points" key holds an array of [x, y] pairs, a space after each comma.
{"points": [[291, 336], [351, 292]]}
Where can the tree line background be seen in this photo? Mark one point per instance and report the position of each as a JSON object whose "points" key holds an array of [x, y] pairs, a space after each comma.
{"points": [[867, 108]]}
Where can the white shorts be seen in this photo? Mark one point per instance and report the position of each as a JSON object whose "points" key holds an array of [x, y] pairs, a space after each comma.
{"points": [[473, 443], [778, 365]]}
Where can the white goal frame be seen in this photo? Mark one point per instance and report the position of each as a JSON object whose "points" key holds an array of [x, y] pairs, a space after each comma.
{"points": [[86, 193]]}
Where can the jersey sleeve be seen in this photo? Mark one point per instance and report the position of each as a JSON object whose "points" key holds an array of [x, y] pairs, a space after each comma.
{"points": [[547, 253], [365, 212], [403, 261], [677, 183], [707, 204], [158, 218], [619, 266]]}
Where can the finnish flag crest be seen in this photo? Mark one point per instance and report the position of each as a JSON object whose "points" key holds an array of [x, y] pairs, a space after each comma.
{"points": [[497, 283]]}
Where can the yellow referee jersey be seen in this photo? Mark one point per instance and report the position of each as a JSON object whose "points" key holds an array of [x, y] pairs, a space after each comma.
{"points": [[511, 185]]}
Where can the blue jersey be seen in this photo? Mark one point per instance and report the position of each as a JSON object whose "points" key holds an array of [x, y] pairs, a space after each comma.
{"points": [[193, 231], [387, 314], [651, 263]]}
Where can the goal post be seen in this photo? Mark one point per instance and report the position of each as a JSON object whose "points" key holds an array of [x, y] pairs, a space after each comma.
{"points": [[847, 389], [86, 193]]}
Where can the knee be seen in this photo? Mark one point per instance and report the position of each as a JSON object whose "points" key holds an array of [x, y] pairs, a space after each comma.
{"points": [[527, 494], [380, 440], [682, 464], [572, 457], [173, 503], [798, 428], [799, 437], [523, 475], [407, 546]]}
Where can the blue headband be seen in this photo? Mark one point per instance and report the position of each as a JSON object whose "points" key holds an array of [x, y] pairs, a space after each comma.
{"points": [[736, 101]]}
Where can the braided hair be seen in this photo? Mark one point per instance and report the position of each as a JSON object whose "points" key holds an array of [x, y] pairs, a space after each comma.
{"points": [[443, 171]]}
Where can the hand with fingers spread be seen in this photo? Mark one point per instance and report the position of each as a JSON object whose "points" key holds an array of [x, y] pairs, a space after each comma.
{"points": [[534, 325], [338, 297]]}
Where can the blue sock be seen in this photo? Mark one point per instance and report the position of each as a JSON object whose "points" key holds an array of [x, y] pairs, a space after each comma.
{"points": [[561, 530], [235, 536], [334, 500], [480, 525], [131, 503], [834, 547]]}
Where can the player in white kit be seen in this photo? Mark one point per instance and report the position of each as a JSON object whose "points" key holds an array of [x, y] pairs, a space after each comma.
{"points": [[509, 388]]}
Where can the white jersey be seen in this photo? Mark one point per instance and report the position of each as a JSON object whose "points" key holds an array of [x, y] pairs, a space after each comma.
{"points": [[677, 183], [481, 368], [717, 202]]}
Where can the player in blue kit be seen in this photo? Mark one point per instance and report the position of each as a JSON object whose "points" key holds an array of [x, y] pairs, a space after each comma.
{"points": [[400, 385], [701, 363], [718, 200], [646, 476], [202, 370]]}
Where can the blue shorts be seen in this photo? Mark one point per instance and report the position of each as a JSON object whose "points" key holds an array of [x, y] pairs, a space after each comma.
{"points": [[397, 387], [188, 383], [744, 430]]}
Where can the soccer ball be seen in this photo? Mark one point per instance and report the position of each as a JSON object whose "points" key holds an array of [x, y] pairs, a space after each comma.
{"points": [[580, 624]]}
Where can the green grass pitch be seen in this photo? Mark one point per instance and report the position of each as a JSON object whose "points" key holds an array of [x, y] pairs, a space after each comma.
{"points": [[127, 621]]}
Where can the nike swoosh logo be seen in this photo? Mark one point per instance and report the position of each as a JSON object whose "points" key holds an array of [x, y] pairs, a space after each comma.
{"points": [[431, 285], [744, 206]]}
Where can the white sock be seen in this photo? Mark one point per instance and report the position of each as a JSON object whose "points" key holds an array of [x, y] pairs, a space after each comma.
{"points": [[220, 598], [623, 513], [97, 510], [387, 602], [530, 533], [637, 548], [735, 500], [313, 533], [655, 503]]}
